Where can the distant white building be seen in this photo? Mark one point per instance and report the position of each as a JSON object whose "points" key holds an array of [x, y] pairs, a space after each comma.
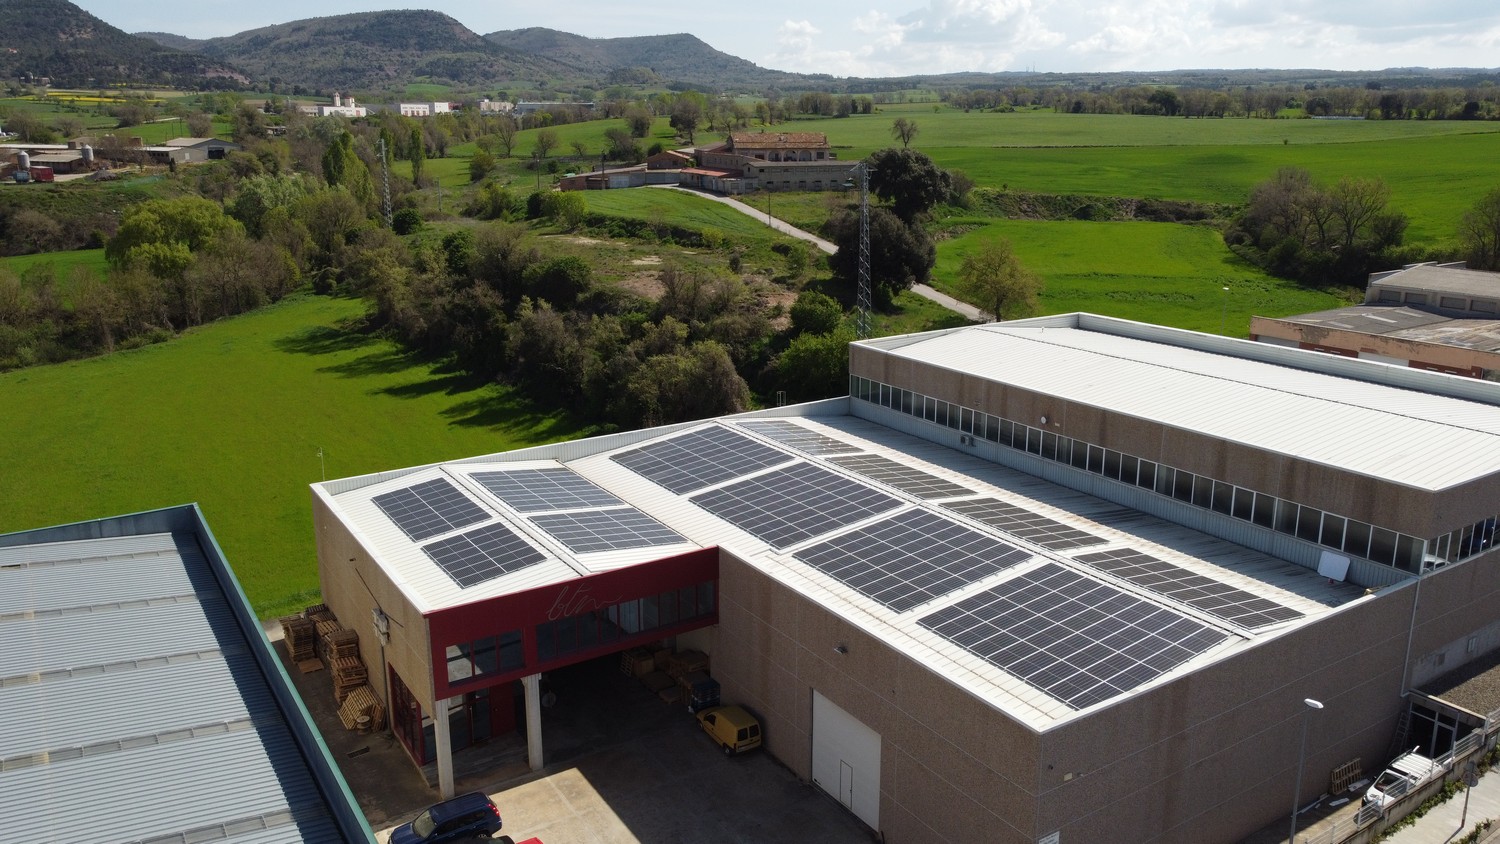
{"points": [[423, 109], [340, 108], [488, 106]]}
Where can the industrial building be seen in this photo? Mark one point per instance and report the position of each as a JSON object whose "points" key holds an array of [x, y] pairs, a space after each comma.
{"points": [[140, 700], [1441, 317], [1066, 579]]}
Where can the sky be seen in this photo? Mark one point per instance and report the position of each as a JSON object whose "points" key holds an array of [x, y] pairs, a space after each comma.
{"points": [[902, 37]]}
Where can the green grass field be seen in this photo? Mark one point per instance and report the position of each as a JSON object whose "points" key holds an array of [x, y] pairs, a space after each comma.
{"points": [[232, 416], [682, 209], [63, 264], [1161, 273]]}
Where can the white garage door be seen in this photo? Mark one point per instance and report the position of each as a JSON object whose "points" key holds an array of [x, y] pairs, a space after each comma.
{"points": [[846, 759]]}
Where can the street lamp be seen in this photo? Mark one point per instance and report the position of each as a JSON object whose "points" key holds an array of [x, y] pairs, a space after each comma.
{"points": [[1301, 757]]}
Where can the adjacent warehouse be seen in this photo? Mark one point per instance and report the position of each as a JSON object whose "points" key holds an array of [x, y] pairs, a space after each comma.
{"points": [[1062, 579], [140, 701]]}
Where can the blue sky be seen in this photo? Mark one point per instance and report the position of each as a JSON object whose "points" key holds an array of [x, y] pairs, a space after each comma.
{"points": [[898, 37]]}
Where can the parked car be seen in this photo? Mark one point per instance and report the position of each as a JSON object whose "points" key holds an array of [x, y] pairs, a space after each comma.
{"points": [[732, 727], [1408, 773], [464, 818]]}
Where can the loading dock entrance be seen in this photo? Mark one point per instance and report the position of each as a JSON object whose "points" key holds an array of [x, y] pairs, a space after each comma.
{"points": [[846, 759]]}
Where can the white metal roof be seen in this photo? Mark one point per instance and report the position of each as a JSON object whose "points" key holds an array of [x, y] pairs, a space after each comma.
{"points": [[1251, 571], [1418, 439], [128, 682]]}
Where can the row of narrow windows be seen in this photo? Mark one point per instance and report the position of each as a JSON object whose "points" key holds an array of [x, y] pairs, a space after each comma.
{"points": [[1349, 536]]}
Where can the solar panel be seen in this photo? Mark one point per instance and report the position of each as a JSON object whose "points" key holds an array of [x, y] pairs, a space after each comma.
{"points": [[699, 459], [911, 558], [905, 478], [1170, 580], [430, 508], [1077, 639], [794, 435], [787, 505], [1018, 521], [533, 490], [607, 530], [482, 554]]}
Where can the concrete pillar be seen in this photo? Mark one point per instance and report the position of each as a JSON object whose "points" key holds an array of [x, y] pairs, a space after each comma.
{"points": [[533, 686], [444, 742]]}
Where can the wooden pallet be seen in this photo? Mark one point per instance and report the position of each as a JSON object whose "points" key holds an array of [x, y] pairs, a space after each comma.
{"points": [[1344, 775], [342, 644], [687, 662], [357, 703], [637, 661]]}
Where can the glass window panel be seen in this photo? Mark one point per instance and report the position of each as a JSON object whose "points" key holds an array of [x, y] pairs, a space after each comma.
{"points": [[1244, 504], [1007, 432], [966, 421], [953, 416], [1111, 464], [992, 428], [1128, 466], [1333, 531], [1034, 440], [588, 631], [608, 630], [1064, 450], [1145, 476], [706, 598], [648, 613], [941, 412], [630, 616], [1165, 479], [687, 599], [1096, 459], [1309, 523], [566, 633], [486, 655], [511, 653], [545, 647], [667, 608], [1286, 517], [1223, 497], [1383, 546], [929, 408], [1080, 456], [1182, 488], [1409, 552], [1049, 445], [1265, 510], [1357, 538], [1203, 492]]}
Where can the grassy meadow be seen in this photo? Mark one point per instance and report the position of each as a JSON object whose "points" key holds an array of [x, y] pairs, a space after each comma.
{"points": [[232, 416]]}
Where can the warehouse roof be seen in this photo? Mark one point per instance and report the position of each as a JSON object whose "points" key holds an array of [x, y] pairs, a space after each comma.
{"points": [[1253, 394], [1436, 278], [809, 499], [1404, 323], [134, 677]]}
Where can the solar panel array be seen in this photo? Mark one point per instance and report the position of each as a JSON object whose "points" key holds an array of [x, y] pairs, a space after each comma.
{"points": [[1201, 592], [911, 558], [429, 508], [1079, 640], [482, 554], [794, 435], [532, 490], [787, 505], [606, 530], [699, 459], [905, 478], [1020, 522]]}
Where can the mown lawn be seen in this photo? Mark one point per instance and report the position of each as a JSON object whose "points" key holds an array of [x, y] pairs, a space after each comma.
{"points": [[62, 264], [1160, 273], [232, 416]]}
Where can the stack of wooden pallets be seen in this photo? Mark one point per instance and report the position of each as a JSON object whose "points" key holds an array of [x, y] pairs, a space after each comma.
{"points": [[348, 674], [300, 636]]}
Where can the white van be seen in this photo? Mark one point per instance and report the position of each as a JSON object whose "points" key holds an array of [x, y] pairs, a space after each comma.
{"points": [[1405, 775]]}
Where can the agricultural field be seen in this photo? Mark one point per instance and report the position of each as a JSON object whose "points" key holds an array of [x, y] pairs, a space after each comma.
{"points": [[684, 209], [233, 416], [1163, 273]]}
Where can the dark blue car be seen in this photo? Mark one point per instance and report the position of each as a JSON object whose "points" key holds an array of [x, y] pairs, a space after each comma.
{"points": [[464, 818]]}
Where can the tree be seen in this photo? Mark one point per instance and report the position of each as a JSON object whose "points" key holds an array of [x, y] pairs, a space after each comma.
{"points": [[200, 125], [505, 134], [544, 142], [904, 131], [638, 121], [900, 255], [258, 195], [815, 366], [687, 111], [816, 313], [566, 208], [994, 276], [480, 165], [416, 150], [561, 281], [1479, 233], [189, 222], [580, 149], [910, 181]]}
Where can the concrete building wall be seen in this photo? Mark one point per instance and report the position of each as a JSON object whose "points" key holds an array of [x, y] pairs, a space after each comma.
{"points": [[1412, 511], [352, 584]]}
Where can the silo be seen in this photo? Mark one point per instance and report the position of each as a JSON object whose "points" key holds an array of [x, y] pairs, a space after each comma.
{"points": [[88, 156], [23, 161]]}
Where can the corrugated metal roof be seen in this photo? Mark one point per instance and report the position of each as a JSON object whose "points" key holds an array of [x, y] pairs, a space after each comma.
{"points": [[127, 680], [1437, 279], [1422, 440], [1251, 571]]}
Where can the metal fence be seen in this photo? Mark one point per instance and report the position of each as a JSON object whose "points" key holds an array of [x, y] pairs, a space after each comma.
{"points": [[1370, 812]]}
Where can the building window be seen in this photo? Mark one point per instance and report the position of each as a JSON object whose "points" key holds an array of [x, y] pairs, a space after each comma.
{"points": [[1482, 306], [1452, 303], [626, 618], [482, 657]]}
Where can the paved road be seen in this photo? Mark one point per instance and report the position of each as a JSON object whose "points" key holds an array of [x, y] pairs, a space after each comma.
{"points": [[786, 228]]}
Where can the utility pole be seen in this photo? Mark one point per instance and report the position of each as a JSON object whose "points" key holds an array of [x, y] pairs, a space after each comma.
{"points": [[385, 198]]}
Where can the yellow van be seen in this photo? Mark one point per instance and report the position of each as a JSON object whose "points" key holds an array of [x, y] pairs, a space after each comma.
{"points": [[732, 727]]}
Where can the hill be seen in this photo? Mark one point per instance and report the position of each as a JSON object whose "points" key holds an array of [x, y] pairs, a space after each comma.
{"points": [[175, 42], [375, 50], [681, 58], [56, 39]]}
